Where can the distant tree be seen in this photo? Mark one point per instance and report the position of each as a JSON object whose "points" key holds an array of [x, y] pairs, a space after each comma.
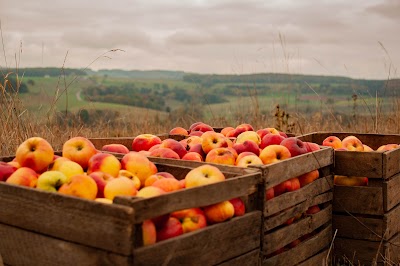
{"points": [[31, 82]]}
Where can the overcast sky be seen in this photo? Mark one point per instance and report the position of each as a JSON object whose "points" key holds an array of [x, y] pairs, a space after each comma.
{"points": [[357, 38]]}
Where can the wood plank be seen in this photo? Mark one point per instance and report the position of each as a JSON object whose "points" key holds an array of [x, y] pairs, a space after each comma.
{"points": [[356, 250], [250, 258], [357, 163], [304, 250], [104, 226], [22, 247], [391, 165], [358, 227], [319, 259], [190, 197], [279, 172], [358, 199], [392, 222], [289, 199], [211, 245], [1, 260], [276, 220], [391, 195], [281, 237]]}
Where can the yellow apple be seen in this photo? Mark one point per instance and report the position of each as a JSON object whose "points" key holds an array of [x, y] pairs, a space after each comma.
{"points": [[35, 153]]}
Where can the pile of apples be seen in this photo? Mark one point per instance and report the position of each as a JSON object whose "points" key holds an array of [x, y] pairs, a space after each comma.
{"points": [[85, 172], [240, 146], [352, 143]]}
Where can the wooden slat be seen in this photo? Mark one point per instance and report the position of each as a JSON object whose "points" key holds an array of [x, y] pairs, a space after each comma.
{"points": [[211, 245], [304, 250], [250, 258], [287, 234], [358, 199], [290, 199], [358, 227], [22, 247], [105, 226], [392, 222], [357, 163], [190, 197], [391, 165], [277, 220], [321, 259], [276, 173], [391, 195], [356, 251]]}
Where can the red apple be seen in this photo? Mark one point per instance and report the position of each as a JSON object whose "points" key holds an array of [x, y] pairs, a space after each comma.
{"points": [[35, 153], [192, 219], [104, 162], [239, 206], [212, 140], [145, 142], [115, 147], [178, 131], [311, 146], [220, 156], [192, 156], [171, 228], [164, 153], [174, 145], [101, 180], [23, 176], [6, 170], [332, 141], [271, 139], [247, 145], [295, 146]]}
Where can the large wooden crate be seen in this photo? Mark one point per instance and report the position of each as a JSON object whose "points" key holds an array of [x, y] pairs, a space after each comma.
{"points": [[366, 216], [279, 209], [43, 228]]}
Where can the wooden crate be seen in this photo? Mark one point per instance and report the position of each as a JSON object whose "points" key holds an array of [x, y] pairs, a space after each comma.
{"points": [[43, 228], [278, 210], [365, 214]]}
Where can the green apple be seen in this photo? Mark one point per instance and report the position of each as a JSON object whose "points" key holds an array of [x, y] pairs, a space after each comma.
{"points": [[52, 180]]}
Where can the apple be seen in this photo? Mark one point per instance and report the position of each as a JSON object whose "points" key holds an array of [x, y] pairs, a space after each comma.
{"points": [[235, 132], [201, 127], [247, 145], [166, 175], [249, 160], [145, 142], [352, 143], [350, 180], [193, 140], [193, 125], [101, 179], [120, 186], [52, 181], [309, 177], [219, 212], [274, 153], [248, 135], [152, 148], [115, 147], [246, 126], [139, 165], [167, 184], [269, 193], [212, 140], [313, 209], [150, 191], [283, 134], [193, 156], [333, 142], [14, 164], [151, 179], [203, 175], [220, 156], [164, 153], [191, 219], [294, 145], [35, 153], [225, 130], [23, 176], [282, 188], [271, 139], [311, 146], [67, 167], [196, 133], [198, 149], [131, 176], [238, 206], [178, 131], [174, 145], [149, 234], [82, 186], [294, 243], [79, 150], [242, 154], [171, 228], [368, 148], [386, 147], [6, 170], [104, 162]]}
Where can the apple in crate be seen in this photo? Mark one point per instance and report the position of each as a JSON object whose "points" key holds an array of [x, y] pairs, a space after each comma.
{"points": [[145, 142], [247, 160], [116, 148], [274, 153], [131, 176], [67, 167], [191, 219], [178, 131], [52, 180], [212, 140], [247, 145], [171, 228], [150, 191], [271, 139], [294, 145], [200, 126], [248, 135], [225, 130], [104, 162], [120, 186], [203, 175], [352, 143], [350, 180], [164, 153], [174, 145], [311, 146], [193, 156], [238, 206], [151, 179], [82, 186], [139, 165], [79, 150], [332, 141], [23, 176], [386, 147], [220, 156], [167, 184], [6, 170], [149, 233], [35, 153], [101, 179], [309, 177], [219, 212]]}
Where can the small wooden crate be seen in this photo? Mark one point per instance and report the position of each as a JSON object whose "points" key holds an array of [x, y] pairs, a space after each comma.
{"points": [[278, 210], [43, 228], [365, 215]]}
